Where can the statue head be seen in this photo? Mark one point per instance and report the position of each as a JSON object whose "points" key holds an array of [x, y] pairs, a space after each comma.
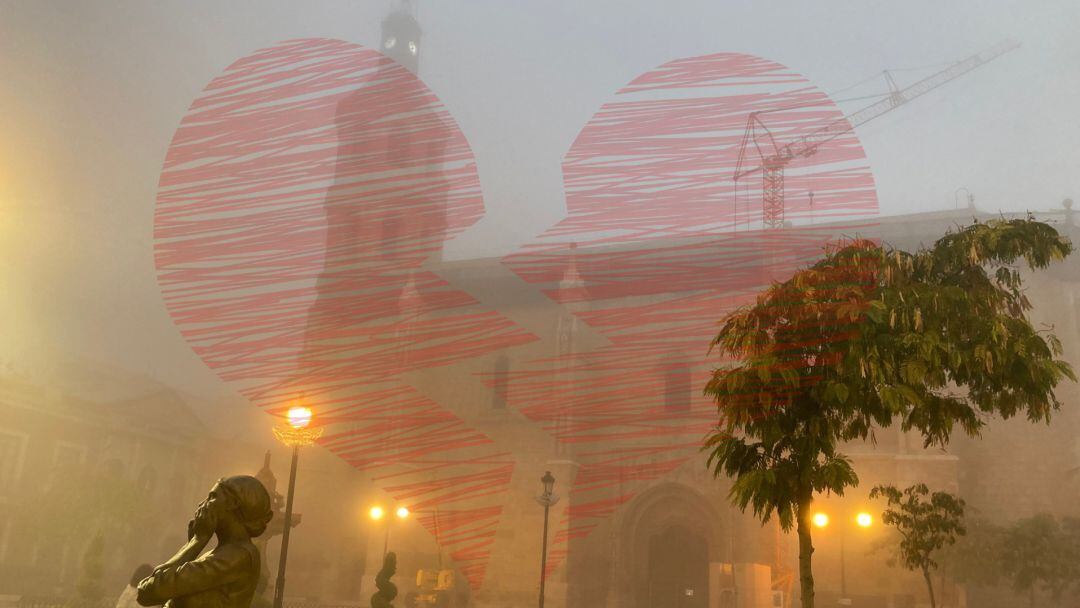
{"points": [[243, 500]]}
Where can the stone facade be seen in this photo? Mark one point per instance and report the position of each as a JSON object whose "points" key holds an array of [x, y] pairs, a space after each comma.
{"points": [[119, 429], [677, 537], [1015, 470]]}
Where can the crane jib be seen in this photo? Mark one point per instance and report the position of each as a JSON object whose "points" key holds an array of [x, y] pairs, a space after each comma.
{"points": [[808, 144]]}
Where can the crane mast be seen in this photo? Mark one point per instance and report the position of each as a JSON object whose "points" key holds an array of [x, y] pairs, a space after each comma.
{"points": [[772, 164]]}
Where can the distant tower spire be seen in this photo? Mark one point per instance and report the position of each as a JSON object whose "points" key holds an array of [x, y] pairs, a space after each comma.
{"points": [[401, 36], [266, 476]]}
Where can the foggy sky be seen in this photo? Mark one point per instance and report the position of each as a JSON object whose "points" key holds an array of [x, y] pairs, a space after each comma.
{"points": [[91, 93]]}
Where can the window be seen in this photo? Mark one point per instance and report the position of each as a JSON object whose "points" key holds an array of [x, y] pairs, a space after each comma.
{"points": [[12, 448], [68, 455], [498, 392], [677, 388]]}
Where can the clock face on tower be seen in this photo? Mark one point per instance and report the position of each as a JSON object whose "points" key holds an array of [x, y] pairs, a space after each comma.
{"points": [[401, 40]]}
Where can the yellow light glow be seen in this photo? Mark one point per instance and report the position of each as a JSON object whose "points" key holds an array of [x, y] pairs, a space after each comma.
{"points": [[821, 520], [402, 512], [299, 417], [865, 520], [376, 513]]}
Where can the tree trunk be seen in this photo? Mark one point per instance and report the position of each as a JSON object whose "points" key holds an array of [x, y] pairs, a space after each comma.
{"points": [[929, 587], [806, 551]]}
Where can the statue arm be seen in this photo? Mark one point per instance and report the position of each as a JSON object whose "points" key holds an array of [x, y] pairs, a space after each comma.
{"points": [[189, 552], [207, 572], [200, 531]]}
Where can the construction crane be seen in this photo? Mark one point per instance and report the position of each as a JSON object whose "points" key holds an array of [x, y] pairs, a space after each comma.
{"points": [[772, 163]]}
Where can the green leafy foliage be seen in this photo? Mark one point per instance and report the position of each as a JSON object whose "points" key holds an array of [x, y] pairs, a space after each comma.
{"points": [[1036, 555], [1041, 553], [871, 336], [953, 342], [925, 522], [976, 557]]}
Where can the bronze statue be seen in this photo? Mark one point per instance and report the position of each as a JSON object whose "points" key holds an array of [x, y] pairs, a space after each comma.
{"points": [[236, 510], [387, 590]]}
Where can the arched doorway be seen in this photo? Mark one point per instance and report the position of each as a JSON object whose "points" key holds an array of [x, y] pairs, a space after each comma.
{"points": [[678, 569], [669, 538]]}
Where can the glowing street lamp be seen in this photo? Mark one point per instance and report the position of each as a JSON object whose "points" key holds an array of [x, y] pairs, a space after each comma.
{"points": [[376, 513], [295, 433], [299, 417], [863, 520]]}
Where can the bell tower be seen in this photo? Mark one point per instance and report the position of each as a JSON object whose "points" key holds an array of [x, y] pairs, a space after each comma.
{"points": [[401, 36]]}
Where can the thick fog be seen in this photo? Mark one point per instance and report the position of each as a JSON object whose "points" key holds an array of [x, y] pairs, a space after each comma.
{"points": [[92, 94], [94, 90]]}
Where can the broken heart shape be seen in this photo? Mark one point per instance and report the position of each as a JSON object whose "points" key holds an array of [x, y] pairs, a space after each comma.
{"points": [[659, 245], [310, 186]]}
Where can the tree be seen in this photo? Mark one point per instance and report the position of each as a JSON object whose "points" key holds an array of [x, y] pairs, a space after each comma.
{"points": [[976, 557], [925, 526], [867, 336], [1038, 553], [1070, 527], [1033, 554]]}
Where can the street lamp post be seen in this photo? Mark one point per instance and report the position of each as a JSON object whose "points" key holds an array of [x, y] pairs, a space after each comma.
{"points": [[294, 435], [377, 513], [546, 500], [843, 566], [863, 520]]}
